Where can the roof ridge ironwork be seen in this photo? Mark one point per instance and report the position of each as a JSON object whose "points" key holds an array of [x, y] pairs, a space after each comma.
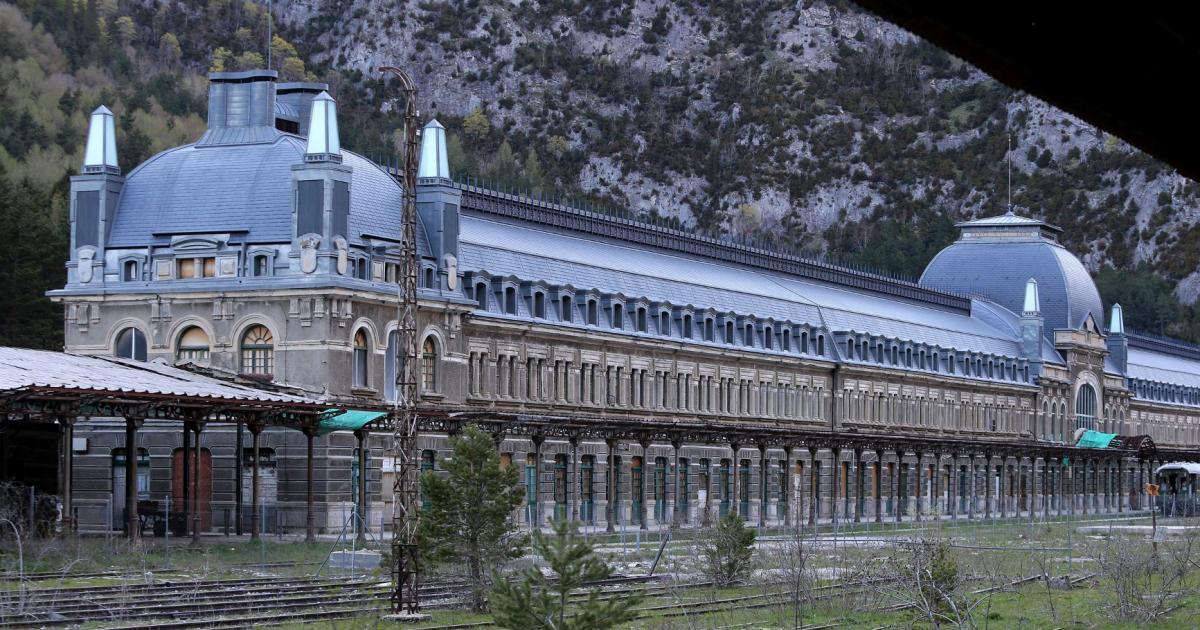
{"points": [[1162, 343]]}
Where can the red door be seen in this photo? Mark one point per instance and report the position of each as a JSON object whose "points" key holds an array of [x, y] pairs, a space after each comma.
{"points": [[204, 505]]}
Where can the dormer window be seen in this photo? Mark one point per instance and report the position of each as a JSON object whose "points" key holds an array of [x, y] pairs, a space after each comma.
{"points": [[664, 324], [804, 342], [618, 316], [748, 336], [130, 272], [709, 329], [687, 326], [510, 300], [641, 319], [429, 278], [539, 305], [768, 338], [481, 295], [362, 270], [566, 308], [729, 332], [821, 345], [261, 265], [593, 313]]}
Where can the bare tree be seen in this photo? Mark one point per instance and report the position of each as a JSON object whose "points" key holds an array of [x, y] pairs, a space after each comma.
{"points": [[1147, 580]]}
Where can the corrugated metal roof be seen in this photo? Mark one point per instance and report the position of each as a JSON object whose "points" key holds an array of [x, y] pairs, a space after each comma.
{"points": [[192, 189], [22, 368], [1007, 220], [502, 248]]}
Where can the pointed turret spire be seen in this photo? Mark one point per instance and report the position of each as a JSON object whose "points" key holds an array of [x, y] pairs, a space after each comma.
{"points": [[1033, 305], [434, 162], [1116, 324], [323, 142], [100, 156]]}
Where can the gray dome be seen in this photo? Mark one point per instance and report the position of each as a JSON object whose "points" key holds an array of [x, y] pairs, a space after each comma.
{"points": [[241, 188], [995, 257]]}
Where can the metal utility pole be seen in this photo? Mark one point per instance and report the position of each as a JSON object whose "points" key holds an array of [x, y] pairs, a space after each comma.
{"points": [[406, 507]]}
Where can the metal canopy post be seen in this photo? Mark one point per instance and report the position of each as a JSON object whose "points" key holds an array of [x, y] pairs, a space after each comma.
{"points": [[132, 531]]}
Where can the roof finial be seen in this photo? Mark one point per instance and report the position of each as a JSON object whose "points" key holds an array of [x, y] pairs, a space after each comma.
{"points": [[324, 145], [1008, 158], [1033, 305], [100, 153], [435, 162], [1116, 325]]}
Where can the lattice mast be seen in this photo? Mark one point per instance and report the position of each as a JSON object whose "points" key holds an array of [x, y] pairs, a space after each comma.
{"points": [[406, 508]]}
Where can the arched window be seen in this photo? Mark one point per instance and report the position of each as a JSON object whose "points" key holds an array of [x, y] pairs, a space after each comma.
{"points": [[131, 344], [618, 316], [429, 359], [709, 329], [131, 271], [821, 345], [193, 345], [664, 323], [260, 265], [641, 319], [539, 305], [258, 351], [748, 336], [1085, 407], [360, 358], [593, 313], [729, 332], [566, 308], [687, 326], [768, 338], [429, 278]]}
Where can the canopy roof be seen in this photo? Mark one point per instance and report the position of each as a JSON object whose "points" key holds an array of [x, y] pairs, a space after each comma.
{"points": [[346, 420]]}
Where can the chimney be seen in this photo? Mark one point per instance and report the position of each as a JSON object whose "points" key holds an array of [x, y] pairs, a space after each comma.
{"points": [[1032, 329], [94, 196], [241, 108], [1117, 342], [296, 98], [438, 201]]}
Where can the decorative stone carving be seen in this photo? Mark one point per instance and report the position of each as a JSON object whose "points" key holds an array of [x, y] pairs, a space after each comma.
{"points": [[343, 262], [451, 264], [85, 270], [308, 252]]}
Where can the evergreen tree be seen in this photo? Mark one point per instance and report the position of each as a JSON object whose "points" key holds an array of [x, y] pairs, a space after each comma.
{"points": [[469, 520], [535, 601], [725, 550]]}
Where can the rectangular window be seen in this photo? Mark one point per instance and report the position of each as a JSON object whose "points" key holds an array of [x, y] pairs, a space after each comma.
{"points": [[87, 218], [310, 203], [341, 209]]}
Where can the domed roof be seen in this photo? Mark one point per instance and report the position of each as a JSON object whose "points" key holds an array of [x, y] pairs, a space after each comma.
{"points": [[995, 257], [244, 189]]}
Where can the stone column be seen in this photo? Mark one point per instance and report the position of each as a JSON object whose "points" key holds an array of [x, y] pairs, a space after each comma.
{"points": [[763, 468], [735, 466], [788, 486], [573, 480], [814, 483], [879, 485], [858, 484], [255, 496], [537, 480], [610, 486], [310, 522], [132, 527], [196, 486], [677, 518], [361, 508], [898, 513]]}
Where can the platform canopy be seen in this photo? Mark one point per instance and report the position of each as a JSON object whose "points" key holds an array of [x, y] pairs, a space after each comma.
{"points": [[39, 385], [1095, 439]]}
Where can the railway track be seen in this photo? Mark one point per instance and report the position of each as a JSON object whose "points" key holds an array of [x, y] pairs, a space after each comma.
{"points": [[237, 603], [42, 576]]}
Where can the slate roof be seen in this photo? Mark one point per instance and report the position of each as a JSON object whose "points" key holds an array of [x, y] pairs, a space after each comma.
{"points": [[998, 270], [23, 368], [1162, 368], [243, 187], [1006, 220], [536, 253]]}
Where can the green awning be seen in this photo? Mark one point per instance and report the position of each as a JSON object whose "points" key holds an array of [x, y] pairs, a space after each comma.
{"points": [[346, 420], [1095, 439]]}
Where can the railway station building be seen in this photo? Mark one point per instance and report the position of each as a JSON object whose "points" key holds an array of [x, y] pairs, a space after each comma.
{"points": [[641, 376]]}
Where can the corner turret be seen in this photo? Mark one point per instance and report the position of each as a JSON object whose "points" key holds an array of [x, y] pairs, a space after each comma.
{"points": [[438, 201]]}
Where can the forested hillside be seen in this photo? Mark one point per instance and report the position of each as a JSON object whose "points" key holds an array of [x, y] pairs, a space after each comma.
{"points": [[815, 125]]}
